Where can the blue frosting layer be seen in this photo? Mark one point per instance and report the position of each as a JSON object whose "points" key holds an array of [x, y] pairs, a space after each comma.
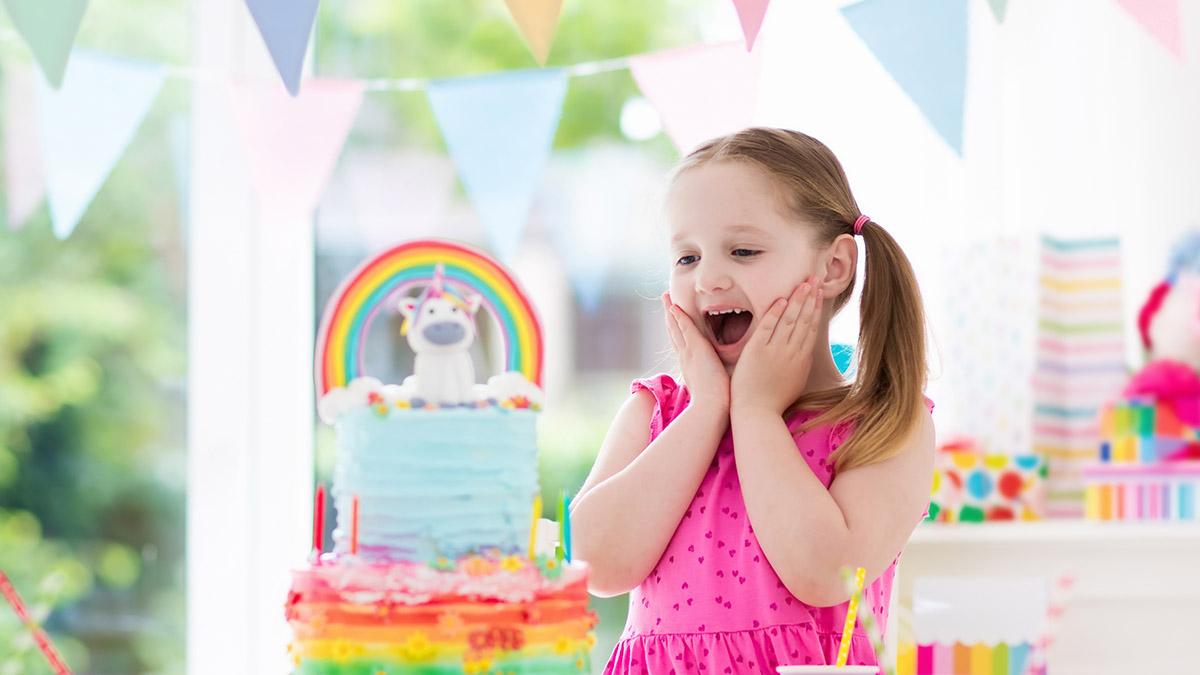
{"points": [[436, 482]]}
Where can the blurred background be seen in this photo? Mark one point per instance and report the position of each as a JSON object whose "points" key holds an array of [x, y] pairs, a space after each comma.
{"points": [[157, 441]]}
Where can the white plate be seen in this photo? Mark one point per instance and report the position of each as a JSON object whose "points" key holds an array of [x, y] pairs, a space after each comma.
{"points": [[827, 669]]}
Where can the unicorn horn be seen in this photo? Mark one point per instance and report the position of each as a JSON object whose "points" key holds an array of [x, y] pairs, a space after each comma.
{"points": [[439, 276]]}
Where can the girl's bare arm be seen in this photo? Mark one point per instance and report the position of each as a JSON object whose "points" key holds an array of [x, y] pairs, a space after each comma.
{"points": [[636, 493]]}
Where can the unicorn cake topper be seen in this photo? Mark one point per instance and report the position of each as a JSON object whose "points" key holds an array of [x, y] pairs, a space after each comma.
{"points": [[440, 328], [441, 288]]}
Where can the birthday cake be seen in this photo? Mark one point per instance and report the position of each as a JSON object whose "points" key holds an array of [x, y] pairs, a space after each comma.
{"points": [[435, 565]]}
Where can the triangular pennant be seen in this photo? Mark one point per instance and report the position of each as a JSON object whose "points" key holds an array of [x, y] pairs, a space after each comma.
{"points": [[285, 26], [750, 14], [86, 125], [999, 7], [499, 129], [700, 92], [923, 45], [594, 194], [293, 142], [538, 20], [1161, 19], [23, 173], [49, 28]]}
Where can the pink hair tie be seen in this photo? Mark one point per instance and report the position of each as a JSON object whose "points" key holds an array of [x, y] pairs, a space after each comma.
{"points": [[858, 224]]}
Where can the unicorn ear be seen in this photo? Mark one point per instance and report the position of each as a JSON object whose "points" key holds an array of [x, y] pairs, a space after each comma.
{"points": [[473, 300], [408, 308]]}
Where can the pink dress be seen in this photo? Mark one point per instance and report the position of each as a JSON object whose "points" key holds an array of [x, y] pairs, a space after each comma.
{"points": [[714, 604]]}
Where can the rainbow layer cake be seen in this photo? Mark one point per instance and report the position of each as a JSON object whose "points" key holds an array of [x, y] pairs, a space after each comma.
{"points": [[437, 564]]}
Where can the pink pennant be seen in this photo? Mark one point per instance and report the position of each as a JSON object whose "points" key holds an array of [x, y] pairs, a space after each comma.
{"points": [[25, 177], [700, 92], [293, 143], [751, 13], [1161, 19]]}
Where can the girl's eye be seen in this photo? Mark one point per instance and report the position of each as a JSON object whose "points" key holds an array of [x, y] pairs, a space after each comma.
{"points": [[745, 253], [687, 260]]}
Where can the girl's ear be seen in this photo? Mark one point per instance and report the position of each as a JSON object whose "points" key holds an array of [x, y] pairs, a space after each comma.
{"points": [[841, 260]]}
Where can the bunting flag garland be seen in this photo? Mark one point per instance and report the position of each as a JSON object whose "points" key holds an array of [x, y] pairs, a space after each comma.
{"points": [[1161, 19], [923, 45], [285, 26], [498, 128], [700, 92], [999, 8], [86, 125], [293, 142], [538, 21], [25, 179], [49, 28], [750, 14], [501, 170]]}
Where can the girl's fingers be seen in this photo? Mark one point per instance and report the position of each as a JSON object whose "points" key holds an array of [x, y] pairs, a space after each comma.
{"points": [[807, 328], [795, 304], [687, 329], [766, 328], [805, 312], [672, 324]]}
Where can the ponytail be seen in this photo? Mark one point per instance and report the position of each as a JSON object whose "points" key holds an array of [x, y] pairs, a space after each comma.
{"points": [[885, 398]]}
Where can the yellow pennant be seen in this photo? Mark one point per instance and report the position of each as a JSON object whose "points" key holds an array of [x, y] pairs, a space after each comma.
{"points": [[537, 20]]}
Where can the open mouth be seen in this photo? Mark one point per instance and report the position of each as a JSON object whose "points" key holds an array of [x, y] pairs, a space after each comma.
{"points": [[728, 326]]}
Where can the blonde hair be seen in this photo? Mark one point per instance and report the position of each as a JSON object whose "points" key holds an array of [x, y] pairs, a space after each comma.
{"points": [[885, 397]]}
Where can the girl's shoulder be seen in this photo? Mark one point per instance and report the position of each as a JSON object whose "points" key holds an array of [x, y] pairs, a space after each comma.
{"points": [[670, 398]]}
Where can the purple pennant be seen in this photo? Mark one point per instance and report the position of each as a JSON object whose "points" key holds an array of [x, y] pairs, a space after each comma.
{"points": [[285, 26]]}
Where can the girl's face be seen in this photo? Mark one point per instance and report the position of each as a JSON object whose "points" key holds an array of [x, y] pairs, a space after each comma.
{"points": [[734, 251]]}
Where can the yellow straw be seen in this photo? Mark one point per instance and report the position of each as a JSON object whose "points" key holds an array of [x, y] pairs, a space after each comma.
{"points": [[851, 615], [537, 512]]}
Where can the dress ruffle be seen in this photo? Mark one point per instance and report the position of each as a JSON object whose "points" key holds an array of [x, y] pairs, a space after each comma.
{"points": [[758, 650]]}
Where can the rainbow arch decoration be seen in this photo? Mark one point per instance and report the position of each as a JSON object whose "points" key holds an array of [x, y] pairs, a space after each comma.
{"points": [[379, 281]]}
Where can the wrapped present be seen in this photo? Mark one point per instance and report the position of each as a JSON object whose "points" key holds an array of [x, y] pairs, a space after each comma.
{"points": [[1156, 419], [1160, 491], [968, 625], [970, 485]]}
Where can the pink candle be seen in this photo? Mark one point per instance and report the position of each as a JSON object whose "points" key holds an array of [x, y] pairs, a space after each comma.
{"points": [[319, 521], [354, 525]]}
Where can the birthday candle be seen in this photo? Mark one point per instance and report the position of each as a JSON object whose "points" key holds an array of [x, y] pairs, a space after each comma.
{"points": [[354, 525], [561, 551], [319, 521], [566, 505], [537, 512]]}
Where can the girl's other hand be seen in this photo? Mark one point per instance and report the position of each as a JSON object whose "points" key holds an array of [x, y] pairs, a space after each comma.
{"points": [[773, 368], [703, 373]]}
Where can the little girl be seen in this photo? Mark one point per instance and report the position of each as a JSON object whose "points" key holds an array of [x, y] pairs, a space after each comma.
{"points": [[729, 503]]}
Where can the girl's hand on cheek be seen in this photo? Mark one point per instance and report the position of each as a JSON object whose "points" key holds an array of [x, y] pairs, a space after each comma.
{"points": [[703, 372], [774, 366]]}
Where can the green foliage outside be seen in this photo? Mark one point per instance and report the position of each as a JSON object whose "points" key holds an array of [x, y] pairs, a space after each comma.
{"points": [[92, 386]]}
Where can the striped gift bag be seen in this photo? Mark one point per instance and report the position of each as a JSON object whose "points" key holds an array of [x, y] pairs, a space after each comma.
{"points": [[1080, 361]]}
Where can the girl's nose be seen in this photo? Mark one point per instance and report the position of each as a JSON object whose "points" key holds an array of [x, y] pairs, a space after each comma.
{"points": [[712, 278]]}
